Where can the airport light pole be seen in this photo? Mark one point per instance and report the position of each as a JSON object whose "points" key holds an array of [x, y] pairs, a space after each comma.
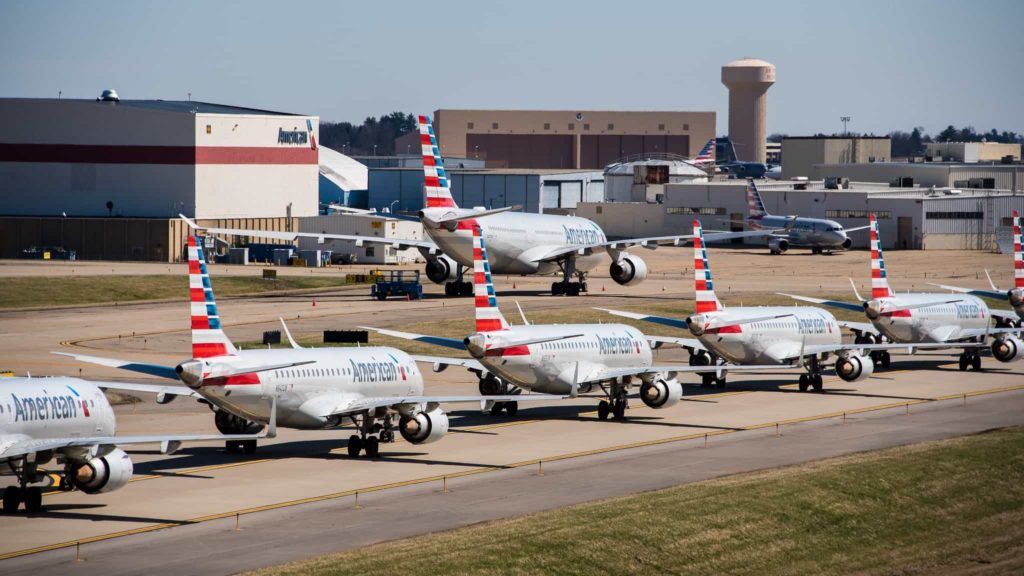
{"points": [[844, 120]]}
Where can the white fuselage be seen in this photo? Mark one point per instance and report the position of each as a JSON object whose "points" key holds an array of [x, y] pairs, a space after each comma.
{"points": [[769, 341], [307, 394], [46, 408], [550, 367], [516, 240], [940, 323], [813, 232]]}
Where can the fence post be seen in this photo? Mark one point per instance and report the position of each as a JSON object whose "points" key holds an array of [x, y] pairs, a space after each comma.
{"points": [[237, 527], [357, 506]]}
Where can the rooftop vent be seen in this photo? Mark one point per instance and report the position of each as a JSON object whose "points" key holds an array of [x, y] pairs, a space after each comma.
{"points": [[109, 96]]}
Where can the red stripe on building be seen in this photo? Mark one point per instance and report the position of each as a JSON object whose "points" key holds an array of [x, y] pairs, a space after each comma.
{"points": [[173, 155]]}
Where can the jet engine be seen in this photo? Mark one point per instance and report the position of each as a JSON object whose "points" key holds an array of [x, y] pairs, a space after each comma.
{"points": [[854, 368], [1008, 349], [442, 269], [628, 270], [1016, 297], [661, 393], [228, 423], [424, 427], [847, 243], [778, 245], [102, 473]]}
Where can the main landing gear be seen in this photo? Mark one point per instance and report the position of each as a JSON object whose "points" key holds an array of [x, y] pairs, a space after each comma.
{"points": [[969, 358], [228, 423], [491, 385], [371, 435], [880, 358], [566, 287], [702, 358], [30, 496], [812, 379], [616, 404]]}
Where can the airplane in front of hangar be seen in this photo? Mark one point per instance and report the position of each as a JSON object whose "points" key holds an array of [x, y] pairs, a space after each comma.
{"points": [[70, 420], [818, 234], [521, 243], [314, 388]]}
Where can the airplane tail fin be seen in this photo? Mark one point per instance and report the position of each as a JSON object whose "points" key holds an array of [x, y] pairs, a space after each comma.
{"points": [[488, 315], [706, 299], [1018, 254], [436, 193], [706, 154], [754, 204], [879, 281], [207, 337]]}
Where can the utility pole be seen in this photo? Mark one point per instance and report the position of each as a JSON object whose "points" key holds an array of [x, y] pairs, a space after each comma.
{"points": [[844, 120]]}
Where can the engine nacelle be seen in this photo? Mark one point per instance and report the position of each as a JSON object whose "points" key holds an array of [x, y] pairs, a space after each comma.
{"points": [[424, 427], [848, 243], [629, 270], [103, 473], [778, 245], [1008, 349], [442, 269], [661, 393], [228, 423], [1016, 297], [854, 368]]}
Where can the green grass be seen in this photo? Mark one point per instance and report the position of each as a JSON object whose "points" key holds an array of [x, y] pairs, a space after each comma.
{"points": [[954, 506], [43, 291]]}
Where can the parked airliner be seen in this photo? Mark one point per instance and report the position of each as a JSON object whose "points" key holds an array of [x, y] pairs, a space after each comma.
{"points": [[1015, 295], [780, 335], [959, 321], [521, 243], [706, 155], [557, 358], [818, 234], [314, 388], [70, 420]]}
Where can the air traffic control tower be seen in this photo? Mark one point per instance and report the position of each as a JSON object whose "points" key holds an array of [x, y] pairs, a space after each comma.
{"points": [[748, 81]]}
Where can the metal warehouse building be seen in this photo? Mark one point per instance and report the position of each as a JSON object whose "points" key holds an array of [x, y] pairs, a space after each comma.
{"points": [[924, 174], [910, 218], [105, 176]]}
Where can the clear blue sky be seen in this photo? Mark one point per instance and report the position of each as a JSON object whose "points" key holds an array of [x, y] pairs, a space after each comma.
{"points": [[891, 64]]}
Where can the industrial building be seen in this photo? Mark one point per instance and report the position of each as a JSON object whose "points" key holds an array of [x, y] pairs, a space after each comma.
{"points": [[800, 154], [926, 174], [972, 152], [371, 253], [910, 218], [565, 139]]}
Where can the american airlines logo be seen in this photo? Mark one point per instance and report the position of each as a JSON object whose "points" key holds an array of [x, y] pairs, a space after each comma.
{"points": [[580, 236], [375, 371], [615, 344], [292, 136], [812, 326], [968, 311], [46, 408]]}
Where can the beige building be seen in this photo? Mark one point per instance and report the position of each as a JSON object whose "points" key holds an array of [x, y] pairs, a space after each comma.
{"points": [[801, 153], [586, 139], [971, 151], [926, 174]]}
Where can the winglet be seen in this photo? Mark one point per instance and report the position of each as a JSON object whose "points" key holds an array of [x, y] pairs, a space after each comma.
{"points": [[855, 293], [288, 333], [521, 315], [990, 282]]}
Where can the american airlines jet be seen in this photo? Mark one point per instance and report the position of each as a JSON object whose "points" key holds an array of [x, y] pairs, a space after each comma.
{"points": [[959, 321], [557, 358], [818, 234], [1015, 295], [70, 420], [313, 389], [706, 155], [521, 243], [798, 336]]}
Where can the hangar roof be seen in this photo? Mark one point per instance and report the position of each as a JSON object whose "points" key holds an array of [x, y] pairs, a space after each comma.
{"points": [[183, 106]]}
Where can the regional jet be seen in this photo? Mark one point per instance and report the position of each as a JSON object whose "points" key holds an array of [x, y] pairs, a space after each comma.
{"points": [[70, 420], [958, 321], [1015, 295], [521, 243], [798, 336], [818, 234], [557, 358], [318, 388]]}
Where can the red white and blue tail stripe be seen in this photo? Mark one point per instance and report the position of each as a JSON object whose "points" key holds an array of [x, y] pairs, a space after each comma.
{"points": [[755, 207], [706, 301], [436, 193], [1018, 255], [706, 154], [879, 282], [208, 339], [488, 315]]}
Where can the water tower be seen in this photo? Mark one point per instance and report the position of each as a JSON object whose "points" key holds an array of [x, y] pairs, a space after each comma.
{"points": [[748, 81]]}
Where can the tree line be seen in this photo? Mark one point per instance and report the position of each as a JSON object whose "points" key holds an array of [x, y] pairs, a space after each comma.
{"points": [[907, 144], [373, 136]]}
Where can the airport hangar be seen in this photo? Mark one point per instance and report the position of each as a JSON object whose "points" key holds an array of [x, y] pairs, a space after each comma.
{"points": [[909, 217], [108, 177]]}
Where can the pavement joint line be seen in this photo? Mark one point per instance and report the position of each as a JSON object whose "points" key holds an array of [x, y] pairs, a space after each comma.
{"points": [[482, 470]]}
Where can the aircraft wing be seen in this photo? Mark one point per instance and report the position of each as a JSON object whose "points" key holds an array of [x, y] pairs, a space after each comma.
{"points": [[982, 332], [354, 404], [688, 343], [1004, 314], [651, 242], [664, 320], [150, 369], [972, 292], [832, 303], [609, 373], [150, 388], [463, 362], [436, 340], [862, 327], [860, 349], [857, 229], [397, 243]]}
